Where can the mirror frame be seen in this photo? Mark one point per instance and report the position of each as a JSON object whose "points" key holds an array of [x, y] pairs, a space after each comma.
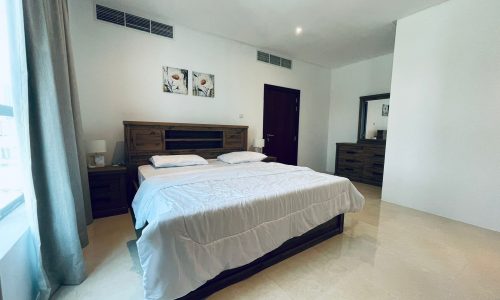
{"points": [[363, 106]]}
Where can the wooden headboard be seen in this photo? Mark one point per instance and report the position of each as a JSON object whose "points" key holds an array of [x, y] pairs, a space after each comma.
{"points": [[145, 139]]}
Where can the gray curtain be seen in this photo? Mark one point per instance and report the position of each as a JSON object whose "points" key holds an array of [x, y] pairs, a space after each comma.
{"points": [[57, 150]]}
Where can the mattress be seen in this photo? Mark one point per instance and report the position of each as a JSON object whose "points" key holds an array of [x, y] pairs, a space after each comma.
{"points": [[202, 221]]}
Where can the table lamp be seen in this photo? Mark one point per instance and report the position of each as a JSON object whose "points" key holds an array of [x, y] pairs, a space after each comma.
{"points": [[258, 144], [96, 149]]}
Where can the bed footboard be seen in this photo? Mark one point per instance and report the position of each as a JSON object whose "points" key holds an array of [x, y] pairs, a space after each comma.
{"points": [[289, 248]]}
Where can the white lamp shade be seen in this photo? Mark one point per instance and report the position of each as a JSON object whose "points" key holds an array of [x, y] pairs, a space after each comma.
{"points": [[96, 146], [259, 143]]}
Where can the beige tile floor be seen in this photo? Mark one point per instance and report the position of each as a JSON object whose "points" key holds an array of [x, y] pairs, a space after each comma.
{"points": [[386, 252]]}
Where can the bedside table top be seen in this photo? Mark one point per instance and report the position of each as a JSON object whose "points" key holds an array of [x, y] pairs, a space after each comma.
{"points": [[107, 169]]}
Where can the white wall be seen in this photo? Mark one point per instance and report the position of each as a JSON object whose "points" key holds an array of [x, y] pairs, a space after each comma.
{"points": [[443, 148], [119, 76], [348, 83]]}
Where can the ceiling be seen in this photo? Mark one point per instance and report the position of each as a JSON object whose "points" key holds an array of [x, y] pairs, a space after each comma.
{"points": [[335, 32]]}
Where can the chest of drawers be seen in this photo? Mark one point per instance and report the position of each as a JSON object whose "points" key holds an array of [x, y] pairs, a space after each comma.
{"points": [[361, 162], [108, 191]]}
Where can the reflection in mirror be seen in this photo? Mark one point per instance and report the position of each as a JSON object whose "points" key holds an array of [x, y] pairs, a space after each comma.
{"points": [[377, 113], [373, 115]]}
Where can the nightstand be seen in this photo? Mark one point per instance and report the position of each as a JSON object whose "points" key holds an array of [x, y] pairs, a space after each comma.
{"points": [[108, 191], [270, 159]]}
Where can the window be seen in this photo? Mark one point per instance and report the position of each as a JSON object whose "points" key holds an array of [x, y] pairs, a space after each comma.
{"points": [[11, 177]]}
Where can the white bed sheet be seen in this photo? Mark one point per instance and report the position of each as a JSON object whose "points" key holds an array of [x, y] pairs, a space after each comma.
{"points": [[204, 221]]}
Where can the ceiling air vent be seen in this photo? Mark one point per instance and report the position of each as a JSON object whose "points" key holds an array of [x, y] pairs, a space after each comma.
{"points": [[162, 29], [138, 23], [274, 60], [114, 16], [110, 15], [286, 63], [262, 56]]}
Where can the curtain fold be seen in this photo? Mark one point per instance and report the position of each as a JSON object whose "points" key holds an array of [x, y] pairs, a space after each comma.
{"points": [[58, 159]]}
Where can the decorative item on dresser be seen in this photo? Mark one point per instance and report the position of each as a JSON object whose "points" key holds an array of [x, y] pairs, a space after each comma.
{"points": [[108, 191], [361, 162]]}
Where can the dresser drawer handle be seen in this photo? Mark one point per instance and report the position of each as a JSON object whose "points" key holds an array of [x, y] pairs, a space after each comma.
{"points": [[349, 169], [351, 160], [379, 155], [378, 165], [351, 152]]}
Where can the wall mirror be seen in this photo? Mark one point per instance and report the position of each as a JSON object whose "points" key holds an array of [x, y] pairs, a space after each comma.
{"points": [[373, 115]]}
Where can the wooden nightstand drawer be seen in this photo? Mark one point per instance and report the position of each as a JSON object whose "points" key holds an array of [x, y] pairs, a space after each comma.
{"points": [[108, 191]]}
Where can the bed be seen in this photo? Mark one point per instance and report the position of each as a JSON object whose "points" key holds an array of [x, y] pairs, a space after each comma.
{"points": [[209, 226]]}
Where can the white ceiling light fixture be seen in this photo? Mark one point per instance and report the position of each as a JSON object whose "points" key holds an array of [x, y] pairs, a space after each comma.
{"points": [[298, 30]]}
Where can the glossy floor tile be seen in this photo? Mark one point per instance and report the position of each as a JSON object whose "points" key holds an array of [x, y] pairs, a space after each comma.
{"points": [[386, 252]]}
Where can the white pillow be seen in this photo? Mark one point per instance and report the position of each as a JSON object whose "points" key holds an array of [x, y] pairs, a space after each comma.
{"points": [[167, 161], [241, 157]]}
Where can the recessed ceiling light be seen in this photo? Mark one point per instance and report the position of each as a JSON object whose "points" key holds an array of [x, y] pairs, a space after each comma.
{"points": [[298, 30]]}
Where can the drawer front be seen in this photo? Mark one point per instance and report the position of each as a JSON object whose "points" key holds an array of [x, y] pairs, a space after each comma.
{"points": [[108, 194], [375, 154], [351, 172], [350, 161], [374, 166], [104, 193], [372, 175], [147, 139], [350, 152]]}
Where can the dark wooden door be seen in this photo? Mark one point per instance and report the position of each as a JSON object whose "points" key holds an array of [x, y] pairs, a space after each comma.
{"points": [[281, 123]]}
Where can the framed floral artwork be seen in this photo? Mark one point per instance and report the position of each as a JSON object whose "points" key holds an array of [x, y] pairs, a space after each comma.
{"points": [[175, 80], [203, 85]]}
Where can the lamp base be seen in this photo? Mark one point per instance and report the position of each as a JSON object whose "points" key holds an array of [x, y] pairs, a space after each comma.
{"points": [[99, 160]]}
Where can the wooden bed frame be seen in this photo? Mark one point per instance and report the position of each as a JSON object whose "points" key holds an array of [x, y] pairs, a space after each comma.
{"points": [[145, 139]]}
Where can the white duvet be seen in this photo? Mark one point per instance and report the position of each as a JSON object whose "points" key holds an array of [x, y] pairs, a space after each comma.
{"points": [[204, 221]]}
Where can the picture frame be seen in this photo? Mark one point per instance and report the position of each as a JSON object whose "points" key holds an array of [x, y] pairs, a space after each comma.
{"points": [[175, 80]]}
